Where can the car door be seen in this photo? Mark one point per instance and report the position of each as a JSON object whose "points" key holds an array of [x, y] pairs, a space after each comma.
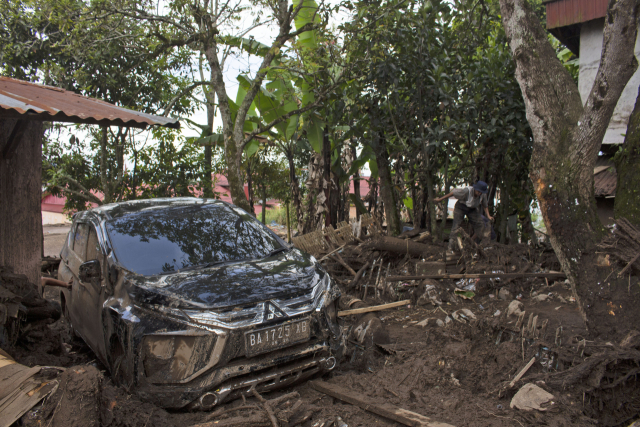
{"points": [[74, 256], [85, 308], [92, 295]]}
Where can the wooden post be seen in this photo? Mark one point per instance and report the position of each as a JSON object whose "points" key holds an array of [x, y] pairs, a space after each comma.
{"points": [[288, 223], [20, 198]]}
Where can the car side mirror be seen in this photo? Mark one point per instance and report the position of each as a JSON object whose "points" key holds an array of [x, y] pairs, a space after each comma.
{"points": [[90, 271]]}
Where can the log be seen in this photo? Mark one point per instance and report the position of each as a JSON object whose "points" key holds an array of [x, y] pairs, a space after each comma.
{"points": [[400, 246], [373, 308], [386, 410], [477, 276]]}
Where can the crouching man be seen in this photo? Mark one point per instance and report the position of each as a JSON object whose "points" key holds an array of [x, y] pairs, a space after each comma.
{"points": [[469, 201]]}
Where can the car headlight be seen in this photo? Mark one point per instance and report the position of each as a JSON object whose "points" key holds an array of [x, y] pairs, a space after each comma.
{"points": [[178, 358]]}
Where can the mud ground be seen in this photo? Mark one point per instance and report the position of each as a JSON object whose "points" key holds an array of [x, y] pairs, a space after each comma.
{"points": [[452, 373], [455, 371]]}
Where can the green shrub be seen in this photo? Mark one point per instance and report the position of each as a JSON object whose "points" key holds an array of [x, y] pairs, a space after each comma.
{"points": [[279, 215]]}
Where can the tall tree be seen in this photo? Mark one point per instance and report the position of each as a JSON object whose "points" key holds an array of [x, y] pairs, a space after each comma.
{"points": [[627, 160], [567, 136]]}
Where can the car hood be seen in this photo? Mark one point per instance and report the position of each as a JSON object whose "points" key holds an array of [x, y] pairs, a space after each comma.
{"points": [[234, 284]]}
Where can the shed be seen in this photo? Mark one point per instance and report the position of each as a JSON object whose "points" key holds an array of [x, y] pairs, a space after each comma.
{"points": [[23, 108]]}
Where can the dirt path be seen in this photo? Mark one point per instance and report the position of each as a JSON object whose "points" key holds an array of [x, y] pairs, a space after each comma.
{"points": [[54, 237]]}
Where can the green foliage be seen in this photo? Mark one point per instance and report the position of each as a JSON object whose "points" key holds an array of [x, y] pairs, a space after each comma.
{"points": [[279, 215]]}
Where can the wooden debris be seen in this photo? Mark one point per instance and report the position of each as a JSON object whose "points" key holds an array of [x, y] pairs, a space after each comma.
{"points": [[337, 257], [331, 253], [522, 372], [359, 274], [374, 308], [400, 246], [20, 390], [386, 410], [267, 408], [431, 268], [476, 276], [624, 270]]}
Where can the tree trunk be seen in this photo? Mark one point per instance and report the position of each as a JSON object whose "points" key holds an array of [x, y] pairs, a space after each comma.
{"points": [[250, 186], [231, 155], [386, 186], [20, 197], [356, 180], [567, 137], [326, 175], [104, 179], [627, 203], [295, 190], [264, 203]]}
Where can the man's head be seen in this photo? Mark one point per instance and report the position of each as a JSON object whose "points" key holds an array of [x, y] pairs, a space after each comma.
{"points": [[479, 188]]}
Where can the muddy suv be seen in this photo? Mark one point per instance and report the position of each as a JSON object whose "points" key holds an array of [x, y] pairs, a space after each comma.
{"points": [[192, 302]]}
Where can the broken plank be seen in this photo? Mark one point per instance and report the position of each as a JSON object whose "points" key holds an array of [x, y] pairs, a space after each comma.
{"points": [[386, 410], [373, 308], [22, 399], [476, 276], [522, 372]]}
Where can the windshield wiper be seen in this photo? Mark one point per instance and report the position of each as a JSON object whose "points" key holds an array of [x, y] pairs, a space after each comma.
{"points": [[277, 251], [200, 266]]}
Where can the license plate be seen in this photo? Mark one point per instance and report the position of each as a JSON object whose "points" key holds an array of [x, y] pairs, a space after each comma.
{"points": [[275, 337]]}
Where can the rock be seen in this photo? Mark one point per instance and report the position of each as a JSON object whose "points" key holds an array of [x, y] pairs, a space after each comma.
{"points": [[504, 294], [426, 321], [439, 322], [529, 397], [515, 308], [540, 298], [451, 404]]}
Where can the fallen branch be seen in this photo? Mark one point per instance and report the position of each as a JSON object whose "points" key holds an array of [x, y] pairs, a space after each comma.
{"points": [[476, 276], [331, 253], [374, 308], [629, 265], [267, 408], [359, 274], [338, 258], [386, 410]]}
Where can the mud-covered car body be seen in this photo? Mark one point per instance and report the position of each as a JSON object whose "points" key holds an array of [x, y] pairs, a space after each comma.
{"points": [[191, 302]]}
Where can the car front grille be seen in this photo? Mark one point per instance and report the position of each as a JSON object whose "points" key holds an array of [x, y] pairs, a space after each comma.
{"points": [[240, 317]]}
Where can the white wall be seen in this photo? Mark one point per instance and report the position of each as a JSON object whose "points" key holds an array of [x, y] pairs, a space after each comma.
{"points": [[590, 51], [50, 218]]}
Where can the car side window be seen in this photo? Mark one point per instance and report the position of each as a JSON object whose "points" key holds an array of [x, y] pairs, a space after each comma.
{"points": [[80, 241], [93, 247]]}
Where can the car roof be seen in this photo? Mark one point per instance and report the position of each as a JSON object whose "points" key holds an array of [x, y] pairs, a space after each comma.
{"points": [[121, 209]]}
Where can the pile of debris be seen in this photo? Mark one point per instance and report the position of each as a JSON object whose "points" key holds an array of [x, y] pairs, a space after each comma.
{"points": [[370, 266]]}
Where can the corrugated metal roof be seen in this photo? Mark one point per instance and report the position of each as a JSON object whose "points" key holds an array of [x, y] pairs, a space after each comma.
{"points": [[20, 99], [605, 178], [562, 13]]}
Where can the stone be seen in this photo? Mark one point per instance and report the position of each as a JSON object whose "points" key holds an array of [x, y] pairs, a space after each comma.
{"points": [[504, 294], [515, 308], [530, 397]]}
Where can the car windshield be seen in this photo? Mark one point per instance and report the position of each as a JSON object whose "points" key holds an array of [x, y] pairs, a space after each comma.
{"points": [[166, 239]]}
